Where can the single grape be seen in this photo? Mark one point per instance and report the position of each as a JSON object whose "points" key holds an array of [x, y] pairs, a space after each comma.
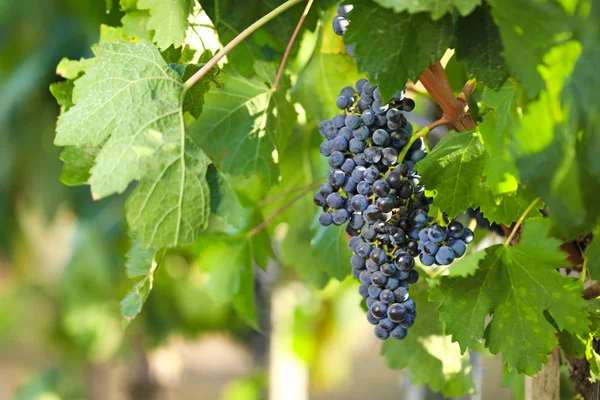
{"points": [[426, 260], [340, 217], [349, 186], [373, 320], [387, 296], [401, 294], [361, 133], [381, 333], [358, 261], [325, 148], [381, 137], [372, 213], [363, 249], [371, 174], [408, 104], [359, 159], [378, 256], [336, 159], [374, 291], [388, 269], [356, 221], [343, 102], [430, 248], [352, 121], [359, 83], [399, 333], [386, 324], [359, 203], [339, 121], [340, 143], [413, 277], [348, 91], [327, 129], [335, 200], [358, 173], [363, 188], [378, 107], [392, 283], [381, 188], [393, 115], [455, 229], [379, 310], [408, 322], [370, 301], [339, 25], [373, 154], [396, 312], [419, 219], [404, 262], [459, 247], [325, 219], [445, 255], [365, 277], [409, 305], [372, 266], [363, 290], [385, 204], [368, 117], [468, 236], [378, 278], [319, 199], [389, 156], [355, 241], [348, 165]]}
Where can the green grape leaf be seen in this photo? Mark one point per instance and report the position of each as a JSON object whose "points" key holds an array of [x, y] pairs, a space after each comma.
{"points": [[168, 20], [431, 357], [63, 93], [330, 245], [527, 35], [130, 104], [224, 203], [466, 265], [139, 259], [507, 208], [135, 25], [73, 69], [557, 163], [516, 285], [454, 170], [437, 8], [78, 161], [410, 44], [478, 45], [133, 302], [497, 131], [228, 262], [592, 256], [237, 129]]}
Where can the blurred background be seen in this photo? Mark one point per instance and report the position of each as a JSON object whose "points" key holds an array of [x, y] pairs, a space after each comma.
{"points": [[62, 274]]}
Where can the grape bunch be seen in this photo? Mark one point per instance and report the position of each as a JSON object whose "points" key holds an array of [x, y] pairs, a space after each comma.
{"points": [[340, 24], [381, 203]]}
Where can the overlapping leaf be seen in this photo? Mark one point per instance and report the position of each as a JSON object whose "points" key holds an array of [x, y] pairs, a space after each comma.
{"points": [[239, 126], [527, 35], [516, 285], [394, 48], [478, 45], [330, 245], [168, 19], [454, 170]]}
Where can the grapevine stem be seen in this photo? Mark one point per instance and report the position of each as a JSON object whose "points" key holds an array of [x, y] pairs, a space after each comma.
{"points": [[421, 133], [276, 214], [237, 40], [289, 46], [520, 222]]}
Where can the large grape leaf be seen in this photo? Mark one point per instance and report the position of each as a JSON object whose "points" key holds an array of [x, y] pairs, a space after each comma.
{"points": [[527, 35], [497, 131], [517, 286], [557, 163], [454, 170], [240, 124], [130, 104], [394, 48], [140, 264], [431, 357], [168, 19], [478, 45]]}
